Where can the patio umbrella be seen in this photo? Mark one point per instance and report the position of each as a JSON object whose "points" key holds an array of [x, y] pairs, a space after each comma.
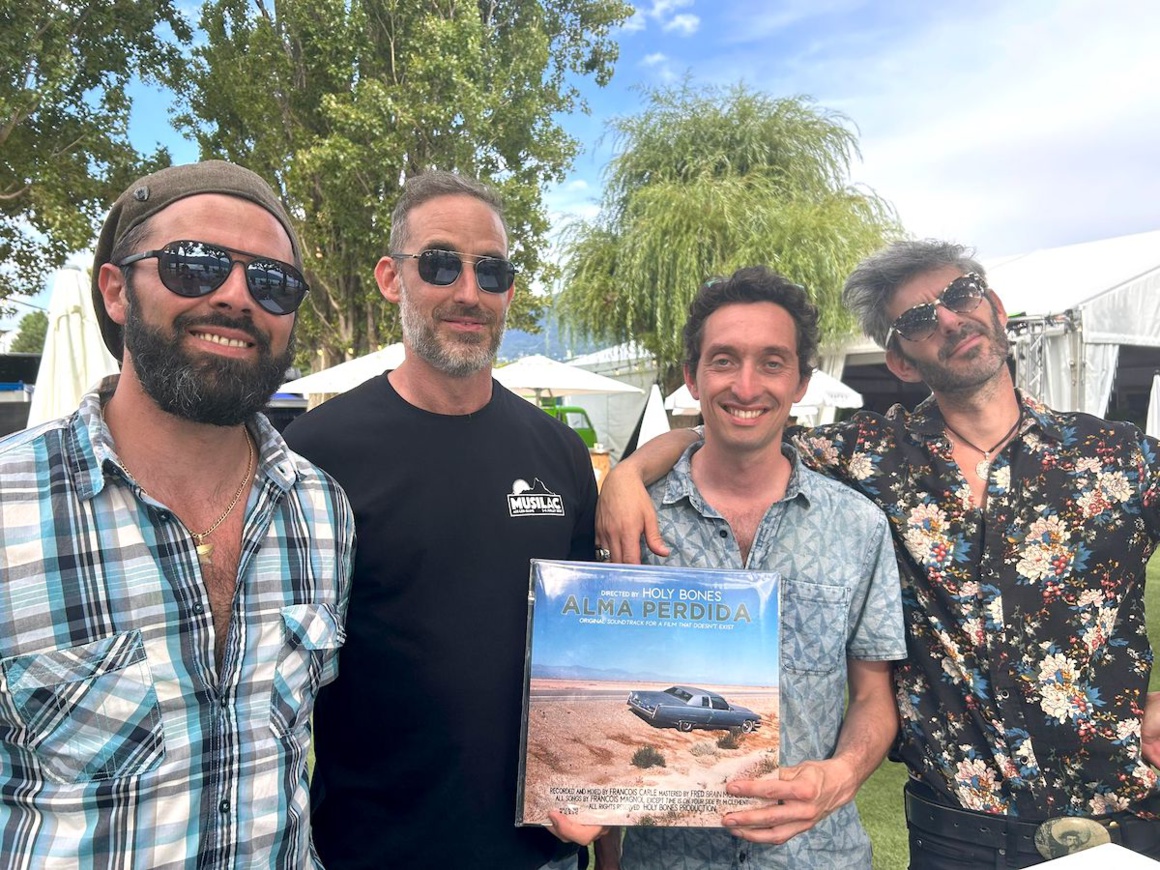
{"points": [[539, 376], [347, 375], [74, 358], [824, 390]]}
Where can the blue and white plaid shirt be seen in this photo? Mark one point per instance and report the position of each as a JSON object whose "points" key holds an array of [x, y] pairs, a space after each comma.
{"points": [[120, 743]]}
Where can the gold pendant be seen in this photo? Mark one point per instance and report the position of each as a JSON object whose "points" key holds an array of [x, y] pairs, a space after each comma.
{"points": [[205, 553], [983, 468]]}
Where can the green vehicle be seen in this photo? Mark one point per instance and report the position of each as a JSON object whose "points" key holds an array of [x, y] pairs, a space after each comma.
{"points": [[575, 418]]}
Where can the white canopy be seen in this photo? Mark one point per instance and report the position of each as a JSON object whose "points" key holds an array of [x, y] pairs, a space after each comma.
{"points": [[1073, 308], [653, 421], [537, 375], [347, 375], [74, 358]]}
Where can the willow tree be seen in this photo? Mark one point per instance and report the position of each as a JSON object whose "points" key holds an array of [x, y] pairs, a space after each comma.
{"points": [[338, 101], [704, 181]]}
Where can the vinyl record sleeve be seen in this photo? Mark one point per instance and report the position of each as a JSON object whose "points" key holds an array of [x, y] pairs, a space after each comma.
{"points": [[646, 690]]}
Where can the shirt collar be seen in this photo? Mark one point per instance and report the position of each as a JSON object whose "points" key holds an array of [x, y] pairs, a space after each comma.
{"points": [[91, 457], [679, 482], [927, 420]]}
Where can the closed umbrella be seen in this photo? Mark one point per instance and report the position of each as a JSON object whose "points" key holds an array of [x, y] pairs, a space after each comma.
{"points": [[75, 358]]}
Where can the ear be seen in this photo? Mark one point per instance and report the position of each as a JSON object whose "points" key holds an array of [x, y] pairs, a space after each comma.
{"points": [[691, 383], [111, 283], [901, 367], [1000, 310], [802, 387], [387, 277]]}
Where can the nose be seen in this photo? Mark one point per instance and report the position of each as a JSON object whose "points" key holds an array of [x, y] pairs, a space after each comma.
{"points": [[949, 322], [234, 293], [465, 289], [745, 385]]}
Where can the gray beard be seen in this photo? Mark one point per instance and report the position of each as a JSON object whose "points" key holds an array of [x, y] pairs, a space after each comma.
{"points": [[458, 358]]}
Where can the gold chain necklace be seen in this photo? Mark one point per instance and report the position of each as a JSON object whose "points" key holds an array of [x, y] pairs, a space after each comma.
{"points": [[983, 467], [204, 549]]}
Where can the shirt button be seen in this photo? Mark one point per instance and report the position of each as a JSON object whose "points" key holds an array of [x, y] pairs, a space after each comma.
{"points": [[723, 533], [165, 516], [224, 701], [224, 806], [198, 607], [1002, 694]]}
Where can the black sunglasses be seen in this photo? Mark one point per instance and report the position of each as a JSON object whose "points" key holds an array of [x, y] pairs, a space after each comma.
{"points": [[438, 267], [919, 322], [195, 269]]}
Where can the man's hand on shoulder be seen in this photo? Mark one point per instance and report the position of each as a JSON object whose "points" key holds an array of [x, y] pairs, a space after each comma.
{"points": [[625, 513]]}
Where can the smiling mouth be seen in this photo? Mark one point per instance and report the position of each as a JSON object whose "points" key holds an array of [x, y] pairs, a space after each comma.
{"points": [[221, 339], [745, 413]]}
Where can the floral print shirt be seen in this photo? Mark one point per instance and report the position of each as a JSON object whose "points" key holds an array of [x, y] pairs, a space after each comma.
{"points": [[1028, 666]]}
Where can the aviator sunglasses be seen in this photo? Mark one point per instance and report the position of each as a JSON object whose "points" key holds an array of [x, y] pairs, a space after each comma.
{"points": [[194, 269], [441, 268], [919, 322]]}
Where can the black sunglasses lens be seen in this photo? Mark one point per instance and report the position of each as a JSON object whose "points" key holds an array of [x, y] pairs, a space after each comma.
{"points": [[494, 275], [962, 295], [276, 286], [917, 323], [439, 267], [192, 269]]}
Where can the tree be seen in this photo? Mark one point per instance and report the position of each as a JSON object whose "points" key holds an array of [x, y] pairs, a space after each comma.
{"points": [[64, 145], [705, 181], [337, 101], [31, 332]]}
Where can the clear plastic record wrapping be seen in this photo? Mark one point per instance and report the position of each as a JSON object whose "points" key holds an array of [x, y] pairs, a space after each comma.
{"points": [[647, 689]]}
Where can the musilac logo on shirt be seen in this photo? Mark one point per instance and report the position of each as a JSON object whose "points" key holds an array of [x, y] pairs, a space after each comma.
{"points": [[534, 501]]}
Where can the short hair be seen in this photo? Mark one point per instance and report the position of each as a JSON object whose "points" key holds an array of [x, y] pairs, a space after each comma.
{"points": [[433, 184], [746, 286], [876, 279]]}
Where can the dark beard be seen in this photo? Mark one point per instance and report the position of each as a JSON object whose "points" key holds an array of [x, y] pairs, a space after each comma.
{"points": [[204, 389], [982, 369]]}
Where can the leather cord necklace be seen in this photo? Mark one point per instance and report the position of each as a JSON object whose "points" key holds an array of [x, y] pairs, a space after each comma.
{"points": [[205, 549], [983, 467]]}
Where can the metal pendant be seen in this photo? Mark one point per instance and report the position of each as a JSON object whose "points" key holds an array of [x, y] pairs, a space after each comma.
{"points": [[205, 553], [983, 468]]}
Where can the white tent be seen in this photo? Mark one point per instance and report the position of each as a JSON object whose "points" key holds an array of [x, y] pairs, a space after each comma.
{"points": [[539, 376], [347, 375], [615, 415], [654, 421], [74, 358], [1073, 309]]}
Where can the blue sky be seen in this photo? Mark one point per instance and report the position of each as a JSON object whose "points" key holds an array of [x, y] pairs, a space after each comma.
{"points": [[646, 637], [1005, 126]]}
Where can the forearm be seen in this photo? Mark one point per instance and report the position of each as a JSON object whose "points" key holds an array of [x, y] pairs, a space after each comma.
{"points": [[870, 726]]}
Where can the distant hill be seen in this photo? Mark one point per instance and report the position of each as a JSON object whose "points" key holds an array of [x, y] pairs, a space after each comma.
{"points": [[549, 342]]}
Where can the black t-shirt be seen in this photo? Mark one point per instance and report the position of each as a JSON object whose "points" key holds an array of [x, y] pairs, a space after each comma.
{"points": [[417, 742]]}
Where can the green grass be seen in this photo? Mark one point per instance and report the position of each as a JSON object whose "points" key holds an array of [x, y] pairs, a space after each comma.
{"points": [[880, 800]]}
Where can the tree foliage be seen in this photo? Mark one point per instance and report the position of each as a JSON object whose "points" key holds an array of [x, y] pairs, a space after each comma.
{"points": [[31, 333], [706, 180], [338, 101], [64, 146]]}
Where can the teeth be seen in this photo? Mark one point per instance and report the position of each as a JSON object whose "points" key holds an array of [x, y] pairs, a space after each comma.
{"points": [[222, 340], [745, 414]]}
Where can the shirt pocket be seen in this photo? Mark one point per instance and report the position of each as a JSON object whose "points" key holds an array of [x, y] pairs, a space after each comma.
{"points": [[312, 635], [89, 712], [813, 627]]}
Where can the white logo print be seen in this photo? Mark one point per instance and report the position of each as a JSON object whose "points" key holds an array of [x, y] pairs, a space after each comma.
{"points": [[534, 501]]}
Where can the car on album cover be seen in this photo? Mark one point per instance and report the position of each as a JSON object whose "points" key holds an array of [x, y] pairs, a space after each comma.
{"points": [[687, 707]]}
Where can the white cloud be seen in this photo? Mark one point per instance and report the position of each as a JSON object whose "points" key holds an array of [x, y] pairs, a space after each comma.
{"points": [[685, 25], [655, 59], [635, 22], [1005, 126]]}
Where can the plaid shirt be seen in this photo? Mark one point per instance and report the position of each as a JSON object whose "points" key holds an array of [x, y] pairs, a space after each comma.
{"points": [[120, 744]]}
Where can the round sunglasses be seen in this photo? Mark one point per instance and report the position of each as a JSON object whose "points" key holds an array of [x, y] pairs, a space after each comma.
{"points": [[919, 322], [194, 269], [441, 268]]}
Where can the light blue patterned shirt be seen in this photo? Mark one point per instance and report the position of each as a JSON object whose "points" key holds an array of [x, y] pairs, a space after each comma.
{"points": [[120, 743], [840, 598]]}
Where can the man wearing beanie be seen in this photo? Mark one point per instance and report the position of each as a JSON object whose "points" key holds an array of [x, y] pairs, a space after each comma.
{"points": [[173, 580]]}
